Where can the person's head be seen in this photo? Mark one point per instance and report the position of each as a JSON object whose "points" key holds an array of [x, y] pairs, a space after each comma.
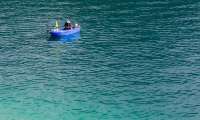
{"points": [[68, 21]]}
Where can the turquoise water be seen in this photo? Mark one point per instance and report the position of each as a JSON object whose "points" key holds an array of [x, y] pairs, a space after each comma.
{"points": [[133, 60]]}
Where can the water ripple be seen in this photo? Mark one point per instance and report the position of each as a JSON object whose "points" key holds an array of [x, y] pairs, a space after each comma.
{"points": [[132, 60]]}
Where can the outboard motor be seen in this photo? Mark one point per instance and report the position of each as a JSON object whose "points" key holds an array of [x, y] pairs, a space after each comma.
{"points": [[76, 25]]}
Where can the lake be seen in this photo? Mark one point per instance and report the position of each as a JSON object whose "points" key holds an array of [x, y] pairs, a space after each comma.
{"points": [[133, 60]]}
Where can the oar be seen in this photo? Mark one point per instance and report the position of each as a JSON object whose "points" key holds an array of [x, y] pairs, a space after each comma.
{"points": [[47, 28]]}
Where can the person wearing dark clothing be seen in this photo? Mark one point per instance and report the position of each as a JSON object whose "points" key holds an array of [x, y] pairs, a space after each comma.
{"points": [[67, 25]]}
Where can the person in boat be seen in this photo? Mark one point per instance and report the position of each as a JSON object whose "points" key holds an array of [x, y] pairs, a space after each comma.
{"points": [[67, 25]]}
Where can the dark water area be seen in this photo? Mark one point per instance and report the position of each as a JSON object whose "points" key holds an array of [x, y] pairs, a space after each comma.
{"points": [[133, 60]]}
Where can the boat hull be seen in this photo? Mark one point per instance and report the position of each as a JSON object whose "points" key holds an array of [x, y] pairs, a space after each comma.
{"points": [[61, 32]]}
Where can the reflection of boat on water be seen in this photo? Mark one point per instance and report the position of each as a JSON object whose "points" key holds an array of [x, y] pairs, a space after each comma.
{"points": [[68, 38]]}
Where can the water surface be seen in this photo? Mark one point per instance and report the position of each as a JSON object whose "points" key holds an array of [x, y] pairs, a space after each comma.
{"points": [[132, 60]]}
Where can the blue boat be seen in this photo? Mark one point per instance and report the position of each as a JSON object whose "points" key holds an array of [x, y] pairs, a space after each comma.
{"points": [[62, 32], [69, 38]]}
